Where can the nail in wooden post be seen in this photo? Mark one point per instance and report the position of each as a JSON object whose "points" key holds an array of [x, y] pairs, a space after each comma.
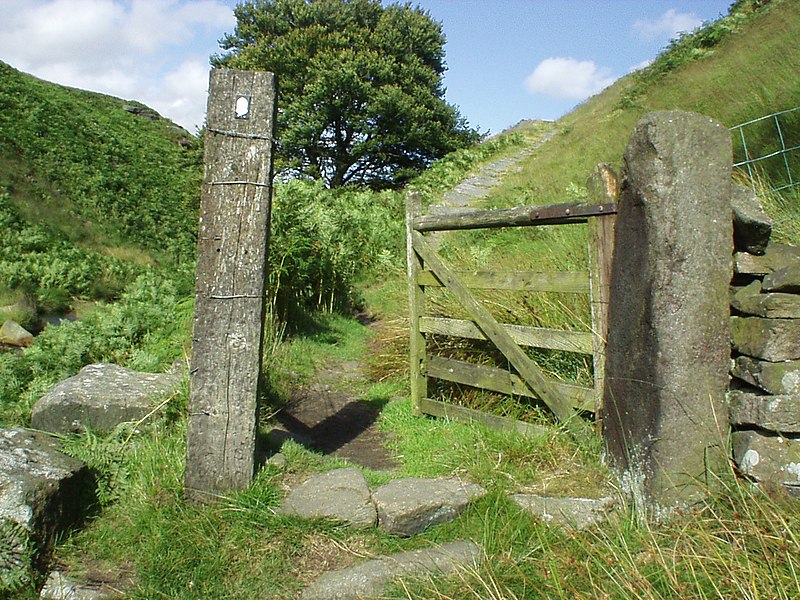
{"points": [[231, 283]]}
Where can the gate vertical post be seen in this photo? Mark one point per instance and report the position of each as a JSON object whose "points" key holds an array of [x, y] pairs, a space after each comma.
{"points": [[416, 306], [603, 189], [230, 304]]}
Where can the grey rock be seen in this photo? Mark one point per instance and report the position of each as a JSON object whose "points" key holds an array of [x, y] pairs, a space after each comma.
{"points": [[775, 258], [41, 489], [141, 111], [565, 511], [751, 301], [751, 225], [786, 279], [102, 396], [767, 459], [408, 506], [779, 413], [369, 579], [772, 377], [60, 587], [278, 461], [769, 339], [14, 334], [341, 494], [667, 360]]}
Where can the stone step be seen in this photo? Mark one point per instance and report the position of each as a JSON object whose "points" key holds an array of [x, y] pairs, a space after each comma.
{"points": [[369, 579]]}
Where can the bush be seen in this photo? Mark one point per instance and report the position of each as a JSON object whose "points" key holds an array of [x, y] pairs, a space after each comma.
{"points": [[147, 329], [323, 240]]}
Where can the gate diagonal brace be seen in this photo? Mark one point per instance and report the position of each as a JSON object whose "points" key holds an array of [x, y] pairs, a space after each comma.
{"points": [[527, 369]]}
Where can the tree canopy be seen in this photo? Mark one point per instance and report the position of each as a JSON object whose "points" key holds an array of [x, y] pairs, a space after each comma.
{"points": [[360, 98]]}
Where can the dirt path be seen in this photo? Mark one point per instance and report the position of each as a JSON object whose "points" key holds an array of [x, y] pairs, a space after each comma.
{"points": [[329, 416]]}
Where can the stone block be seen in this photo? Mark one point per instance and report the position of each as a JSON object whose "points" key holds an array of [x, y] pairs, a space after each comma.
{"points": [[786, 279], [102, 396], [14, 334], [41, 489], [408, 506], [768, 459], [774, 413], [751, 225], [368, 579], [60, 587], [772, 306], [664, 409], [341, 495], [772, 377], [775, 258], [572, 512], [769, 339]]}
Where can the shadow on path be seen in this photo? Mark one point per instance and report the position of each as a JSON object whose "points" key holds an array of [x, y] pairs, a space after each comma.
{"points": [[329, 418]]}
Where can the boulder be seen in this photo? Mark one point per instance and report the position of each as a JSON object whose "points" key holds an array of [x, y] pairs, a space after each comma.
{"points": [[369, 579], [101, 396], [341, 495], [751, 301], [772, 377], [786, 279], [769, 339], [572, 512], [408, 506], [664, 408], [42, 490], [775, 258], [775, 413], [14, 334], [751, 225], [768, 459]]}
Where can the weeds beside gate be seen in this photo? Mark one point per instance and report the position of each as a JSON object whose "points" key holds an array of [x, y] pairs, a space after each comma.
{"points": [[426, 269]]}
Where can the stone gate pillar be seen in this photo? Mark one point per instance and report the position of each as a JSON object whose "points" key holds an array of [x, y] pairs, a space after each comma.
{"points": [[665, 420]]}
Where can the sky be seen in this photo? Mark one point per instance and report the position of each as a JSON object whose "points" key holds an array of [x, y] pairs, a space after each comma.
{"points": [[507, 60]]}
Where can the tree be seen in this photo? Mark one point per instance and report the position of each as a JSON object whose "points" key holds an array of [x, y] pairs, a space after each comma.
{"points": [[360, 97]]}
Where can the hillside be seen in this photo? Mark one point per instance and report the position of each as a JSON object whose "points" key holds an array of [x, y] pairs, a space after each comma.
{"points": [[94, 192], [739, 68], [96, 170]]}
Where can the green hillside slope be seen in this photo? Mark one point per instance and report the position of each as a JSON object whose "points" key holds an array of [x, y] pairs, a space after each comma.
{"points": [[96, 170]]}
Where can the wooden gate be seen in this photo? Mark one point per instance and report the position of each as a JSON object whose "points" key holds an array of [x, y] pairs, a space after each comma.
{"points": [[426, 269]]}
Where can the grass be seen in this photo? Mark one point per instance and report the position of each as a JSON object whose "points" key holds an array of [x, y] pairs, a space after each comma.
{"points": [[742, 543]]}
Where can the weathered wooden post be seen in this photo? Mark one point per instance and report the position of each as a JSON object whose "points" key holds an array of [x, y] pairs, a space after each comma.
{"points": [[603, 189], [231, 283], [416, 303]]}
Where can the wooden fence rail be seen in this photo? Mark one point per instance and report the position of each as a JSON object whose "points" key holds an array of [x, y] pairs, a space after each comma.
{"points": [[427, 270]]}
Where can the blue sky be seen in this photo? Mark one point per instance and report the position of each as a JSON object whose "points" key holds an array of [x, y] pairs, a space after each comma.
{"points": [[507, 60]]}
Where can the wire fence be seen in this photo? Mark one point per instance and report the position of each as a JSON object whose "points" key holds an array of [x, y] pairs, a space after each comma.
{"points": [[776, 152]]}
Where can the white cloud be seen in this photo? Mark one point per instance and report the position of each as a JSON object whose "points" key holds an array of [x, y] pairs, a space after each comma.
{"points": [[154, 51], [667, 25], [183, 94], [568, 78]]}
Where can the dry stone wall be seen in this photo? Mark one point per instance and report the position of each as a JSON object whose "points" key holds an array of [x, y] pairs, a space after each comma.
{"points": [[693, 346], [764, 393]]}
